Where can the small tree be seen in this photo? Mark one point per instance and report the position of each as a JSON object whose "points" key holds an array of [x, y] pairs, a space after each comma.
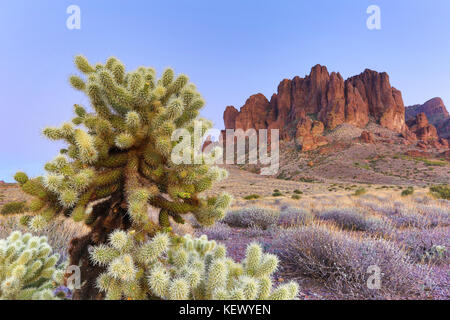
{"points": [[117, 163]]}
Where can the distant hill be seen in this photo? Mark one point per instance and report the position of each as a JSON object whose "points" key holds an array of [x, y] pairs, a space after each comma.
{"points": [[436, 113]]}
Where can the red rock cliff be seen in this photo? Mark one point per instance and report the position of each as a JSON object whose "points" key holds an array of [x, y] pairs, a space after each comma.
{"points": [[324, 97], [436, 113]]}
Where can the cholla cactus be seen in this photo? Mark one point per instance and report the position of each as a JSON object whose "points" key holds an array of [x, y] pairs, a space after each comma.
{"points": [[27, 268], [184, 268], [122, 150]]}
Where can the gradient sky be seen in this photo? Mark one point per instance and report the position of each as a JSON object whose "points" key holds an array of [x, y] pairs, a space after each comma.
{"points": [[230, 50]]}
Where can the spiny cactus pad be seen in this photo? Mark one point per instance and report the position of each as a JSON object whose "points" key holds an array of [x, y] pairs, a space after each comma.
{"points": [[123, 146], [178, 268], [27, 268]]}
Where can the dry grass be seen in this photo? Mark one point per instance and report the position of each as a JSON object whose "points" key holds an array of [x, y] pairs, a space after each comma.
{"points": [[408, 237]]}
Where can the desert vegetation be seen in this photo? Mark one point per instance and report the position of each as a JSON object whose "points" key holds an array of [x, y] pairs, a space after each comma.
{"points": [[28, 268], [331, 187], [13, 207], [329, 242], [117, 177], [325, 241], [442, 192]]}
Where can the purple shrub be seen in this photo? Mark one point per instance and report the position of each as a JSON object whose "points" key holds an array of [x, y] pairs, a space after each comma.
{"points": [[257, 217], [418, 216], [63, 292], [426, 245], [295, 217], [441, 282], [355, 220], [341, 263], [435, 215], [379, 207], [218, 231], [255, 232]]}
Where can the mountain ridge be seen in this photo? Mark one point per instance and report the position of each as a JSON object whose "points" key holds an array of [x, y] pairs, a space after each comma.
{"points": [[303, 109]]}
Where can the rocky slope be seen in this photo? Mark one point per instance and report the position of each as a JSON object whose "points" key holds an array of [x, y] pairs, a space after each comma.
{"points": [[436, 113]]}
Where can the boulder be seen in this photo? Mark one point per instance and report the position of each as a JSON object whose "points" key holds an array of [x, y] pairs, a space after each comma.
{"points": [[367, 137], [422, 128]]}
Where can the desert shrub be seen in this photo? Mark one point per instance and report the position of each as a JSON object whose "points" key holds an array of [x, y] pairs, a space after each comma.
{"points": [[218, 231], [354, 219], [262, 218], [360, 191], [295, 217], [397, 213], [341, 262], [408, 191], [307, 179], [437, 163], [434, 215], [296, 197], [423, 199], [27, 268], [14, 207], [403, 216], [276, 190], [442, 192], [426, 246], [296, 191], [418, 215], [277, 194], [255, 232], [252, 197], [185, 268]]}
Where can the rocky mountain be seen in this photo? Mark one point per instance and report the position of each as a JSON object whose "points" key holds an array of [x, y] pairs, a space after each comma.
{"points": [[421, 129], [303, 108], [420, 126], [436, 113], [307, 109]]}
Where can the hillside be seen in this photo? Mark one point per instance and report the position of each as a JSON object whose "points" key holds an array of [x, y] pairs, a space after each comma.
{"points": [[351, 130], [436, 113]]}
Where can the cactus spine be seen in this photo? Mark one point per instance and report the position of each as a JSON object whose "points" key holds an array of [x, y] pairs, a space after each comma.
{"points": [[180, 268], [117, 163], [27, 268], [125, 150]]}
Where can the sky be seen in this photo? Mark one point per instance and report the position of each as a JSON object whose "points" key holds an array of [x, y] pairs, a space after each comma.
{"points": [[230, 49]]}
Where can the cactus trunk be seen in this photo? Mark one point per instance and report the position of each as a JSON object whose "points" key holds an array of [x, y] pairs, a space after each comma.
{"points": [[109, 216]]}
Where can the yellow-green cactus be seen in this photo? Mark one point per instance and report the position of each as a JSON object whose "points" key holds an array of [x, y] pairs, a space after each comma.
{"points": [[181, 268], [28, 268], [122, 146]]}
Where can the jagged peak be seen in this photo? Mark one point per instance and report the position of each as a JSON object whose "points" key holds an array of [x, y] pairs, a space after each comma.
{"points": [[327, 97], [319, 68]]}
